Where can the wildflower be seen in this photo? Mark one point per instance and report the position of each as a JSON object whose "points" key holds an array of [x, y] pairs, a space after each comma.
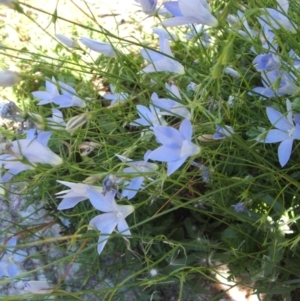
{"points": [[189, 11], [169, 106], [56, 122], [8, 263], [277, 20], [161, 61], [135, 167], [8, 78], [115, 97], [68, 98], [278, 83], [37, 287], [223, 132], [265, 62], [76, 122], [32, 150], [47, 96], [148, 6], [283, 5], [176, 145], [148, 117], [77, 193], [67, 41], [286, 132], [114, 217], [101, 47]]}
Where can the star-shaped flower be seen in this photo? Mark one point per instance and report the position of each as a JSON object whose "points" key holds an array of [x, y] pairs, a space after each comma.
{"points": [[23, 154], [286, 132], [159, 61], [77, 193], [114, 217], [176, 145]]}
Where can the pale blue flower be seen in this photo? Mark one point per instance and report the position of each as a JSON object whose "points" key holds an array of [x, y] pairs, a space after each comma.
{"points": [[77, 193], [169, 106], [148, 117], [176, 145], [11, 258], [286, 132], [189, 11], [205, 173], [277, 20], [33, 150], [67, 41], [101, 47], [115, 97], [277, 82], [133, 185], [161, 61], [267, 61], [114, 217], [68, 98], [47, 96]]}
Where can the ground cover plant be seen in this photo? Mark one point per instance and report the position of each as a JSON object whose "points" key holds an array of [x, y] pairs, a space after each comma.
{"points": [[164, 160]]}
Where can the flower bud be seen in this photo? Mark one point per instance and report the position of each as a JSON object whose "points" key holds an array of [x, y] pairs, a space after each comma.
{"points": [[8, 78], [37, 287], [76, 122]]}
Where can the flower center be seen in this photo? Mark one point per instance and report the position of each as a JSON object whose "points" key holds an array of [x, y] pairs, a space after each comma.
{"points": [[291, 132]]}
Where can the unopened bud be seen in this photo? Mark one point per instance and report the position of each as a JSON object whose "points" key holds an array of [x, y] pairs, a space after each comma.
{"points": [[8, 78], [76, 122]]}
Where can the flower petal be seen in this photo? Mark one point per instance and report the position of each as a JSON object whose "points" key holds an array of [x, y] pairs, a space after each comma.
{"points": [[284, 151]]}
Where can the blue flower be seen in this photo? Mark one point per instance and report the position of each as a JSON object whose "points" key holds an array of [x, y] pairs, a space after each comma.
{"points": [[286, 132], [189, 11], [23, 154], [265, 62], [47, 96], [114, 217], [115, 97], [169, 106], [148, 117], [161, 61], [133, 185], [277, 82], [176, 145]]}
